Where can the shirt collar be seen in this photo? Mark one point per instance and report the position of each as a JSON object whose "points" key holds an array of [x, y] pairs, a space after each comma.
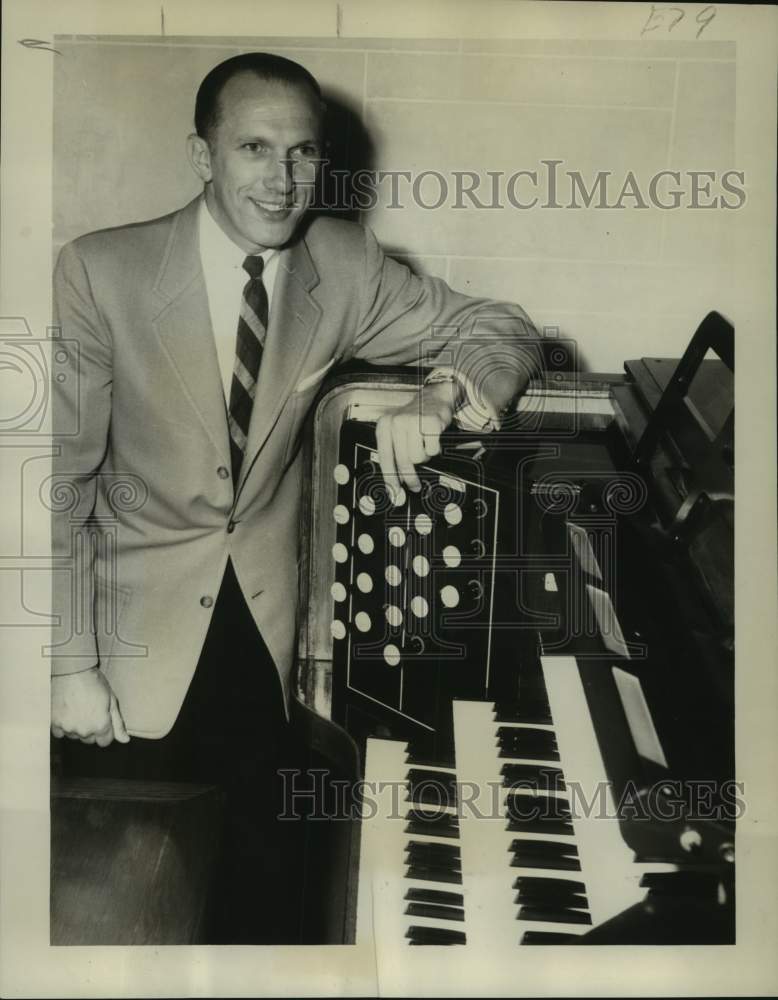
{"points": [[217, 249]]}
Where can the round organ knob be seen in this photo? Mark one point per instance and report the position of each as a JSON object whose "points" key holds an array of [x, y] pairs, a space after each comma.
{"points": [[419, 607], [452, 557], [365, 544], [421, 566], [341, 514], [365, 582], [341, 475], [393, 576], [362, 621], [338, 591], [339, 552], [449, 596], [690, 839], [396, 536], [392, 655], [338, 629], [367, 505], [394, 616], [453, 513], [423, 524]]}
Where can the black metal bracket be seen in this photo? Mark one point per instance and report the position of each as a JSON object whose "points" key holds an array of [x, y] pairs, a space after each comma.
{"points": [[711, 480]]}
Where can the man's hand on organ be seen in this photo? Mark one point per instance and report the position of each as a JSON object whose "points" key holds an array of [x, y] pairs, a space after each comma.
{"points": [[410, 435], [83, 707]]}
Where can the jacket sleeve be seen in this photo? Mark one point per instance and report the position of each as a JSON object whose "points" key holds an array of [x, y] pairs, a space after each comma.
{"points": [[81, 409], [406, 319]]}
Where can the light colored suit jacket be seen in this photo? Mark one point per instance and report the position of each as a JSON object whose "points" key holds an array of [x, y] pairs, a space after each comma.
{"points": [[142, 495]]}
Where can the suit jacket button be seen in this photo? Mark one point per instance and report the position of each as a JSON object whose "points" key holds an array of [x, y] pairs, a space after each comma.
{"points": [[223, 472], [230, 527], [206, 601]]}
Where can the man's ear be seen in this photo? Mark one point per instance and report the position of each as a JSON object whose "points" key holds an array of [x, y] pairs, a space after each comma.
{"points": [[199, 155]]}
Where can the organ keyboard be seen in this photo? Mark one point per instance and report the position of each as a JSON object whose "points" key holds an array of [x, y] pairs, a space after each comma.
{"points": [[537, 880], [546, 627], [411, 884], [529, 849]]}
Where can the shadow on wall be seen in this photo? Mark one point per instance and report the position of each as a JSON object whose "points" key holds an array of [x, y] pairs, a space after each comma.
{"points": [[349, 150]]}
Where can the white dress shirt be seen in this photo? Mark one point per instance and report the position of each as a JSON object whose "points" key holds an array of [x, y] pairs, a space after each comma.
{"points": [[225, 280]]}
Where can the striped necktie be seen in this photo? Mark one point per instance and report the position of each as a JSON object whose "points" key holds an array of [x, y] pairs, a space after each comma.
{"points": [[252, 325]]}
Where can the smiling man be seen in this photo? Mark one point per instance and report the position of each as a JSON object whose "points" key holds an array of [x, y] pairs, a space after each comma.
{"points": [[196, 345]]}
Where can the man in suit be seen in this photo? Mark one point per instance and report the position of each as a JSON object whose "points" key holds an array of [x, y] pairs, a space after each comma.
{"points": [[196, 345]]}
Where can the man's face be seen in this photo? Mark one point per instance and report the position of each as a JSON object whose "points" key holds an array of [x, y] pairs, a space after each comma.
{"points": [[260, 162]]}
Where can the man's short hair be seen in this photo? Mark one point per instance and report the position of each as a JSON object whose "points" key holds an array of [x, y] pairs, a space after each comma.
{"points": [[273, 69]]}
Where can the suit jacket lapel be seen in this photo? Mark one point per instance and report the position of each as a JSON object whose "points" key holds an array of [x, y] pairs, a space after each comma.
{"points": [[294, 316], [184, 326]]}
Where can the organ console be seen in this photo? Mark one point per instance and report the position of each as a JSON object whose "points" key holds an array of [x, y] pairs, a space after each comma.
{"points": [[524, 674]]}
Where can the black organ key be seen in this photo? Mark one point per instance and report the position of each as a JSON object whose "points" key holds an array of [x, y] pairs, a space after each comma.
{"points": [[541, 824], [562, 902], [439, 896], [548, 854], [532, 710], [546, 848], [547, 937], [542, 888], [439, 824], [526, 752], [539, 882], [434, 935], [560, 916], [432, 847], [431, 873], [542, 863], [437, 853], [438, 788], [526, 733], [542, 814], [538, 896], [417, 854], [532, 744], [549, 888], [532, 776], [418, 754], [690, 883], [432, 910], [546, 863], [434, 869], [533, 806]]}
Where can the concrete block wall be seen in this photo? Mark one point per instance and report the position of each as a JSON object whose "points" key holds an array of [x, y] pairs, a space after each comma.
{"points": [[624, 282]]}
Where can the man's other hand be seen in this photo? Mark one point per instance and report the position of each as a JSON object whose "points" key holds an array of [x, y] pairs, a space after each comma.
{"points": [[411, 435], [83, 707]]}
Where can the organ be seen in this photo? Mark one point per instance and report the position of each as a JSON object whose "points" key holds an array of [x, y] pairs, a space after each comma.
{"points": [[533, 657]]}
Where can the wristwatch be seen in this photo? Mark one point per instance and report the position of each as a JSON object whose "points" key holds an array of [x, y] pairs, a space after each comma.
{"points": [[469, 416]]}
